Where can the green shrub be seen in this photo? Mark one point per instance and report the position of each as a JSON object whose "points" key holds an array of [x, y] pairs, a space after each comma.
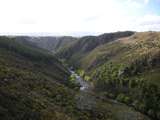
{"points": [[123, 98], [120, 97]]}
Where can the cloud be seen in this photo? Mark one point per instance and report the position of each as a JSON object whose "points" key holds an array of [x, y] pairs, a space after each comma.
{"points": [[146, 1], [150, 20], [26, 20], [137, 3], [74, 16]]}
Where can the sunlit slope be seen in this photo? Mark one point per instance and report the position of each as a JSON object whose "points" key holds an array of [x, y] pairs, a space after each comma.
{"points": [[140, 52]]}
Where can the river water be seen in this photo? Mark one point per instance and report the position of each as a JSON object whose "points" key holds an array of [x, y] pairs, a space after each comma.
{"points": [[85, 86]]}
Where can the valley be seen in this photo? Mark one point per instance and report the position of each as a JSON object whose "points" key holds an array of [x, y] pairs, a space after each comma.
{"points": [[79, 59], [113, 76], [119, 68]]}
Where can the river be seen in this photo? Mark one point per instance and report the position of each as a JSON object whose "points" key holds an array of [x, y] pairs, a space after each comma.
{"points": [[85, 86]]}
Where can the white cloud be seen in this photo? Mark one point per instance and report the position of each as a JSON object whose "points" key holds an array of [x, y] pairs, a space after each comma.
{"points": [[139, 1], [136, 4], [70, 16], [146, 1]]}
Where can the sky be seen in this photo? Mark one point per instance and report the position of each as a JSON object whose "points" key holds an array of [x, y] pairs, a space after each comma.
{"points": [[77, 17]]}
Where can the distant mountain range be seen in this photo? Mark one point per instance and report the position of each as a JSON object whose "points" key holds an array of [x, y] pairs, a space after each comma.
{"points": [[49, 43]]}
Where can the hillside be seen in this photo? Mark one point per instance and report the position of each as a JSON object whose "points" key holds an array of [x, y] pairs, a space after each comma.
{"points": [[140, 50], [29, 79], [130, 66], [124, 68]]}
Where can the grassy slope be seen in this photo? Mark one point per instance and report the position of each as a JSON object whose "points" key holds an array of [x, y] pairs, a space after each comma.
{"points": [[141, 47]]}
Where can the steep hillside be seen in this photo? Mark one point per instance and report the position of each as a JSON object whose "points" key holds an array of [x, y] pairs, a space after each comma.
{"points": [[34, 85], [79, 49], [141, 50], [28, 78]]}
